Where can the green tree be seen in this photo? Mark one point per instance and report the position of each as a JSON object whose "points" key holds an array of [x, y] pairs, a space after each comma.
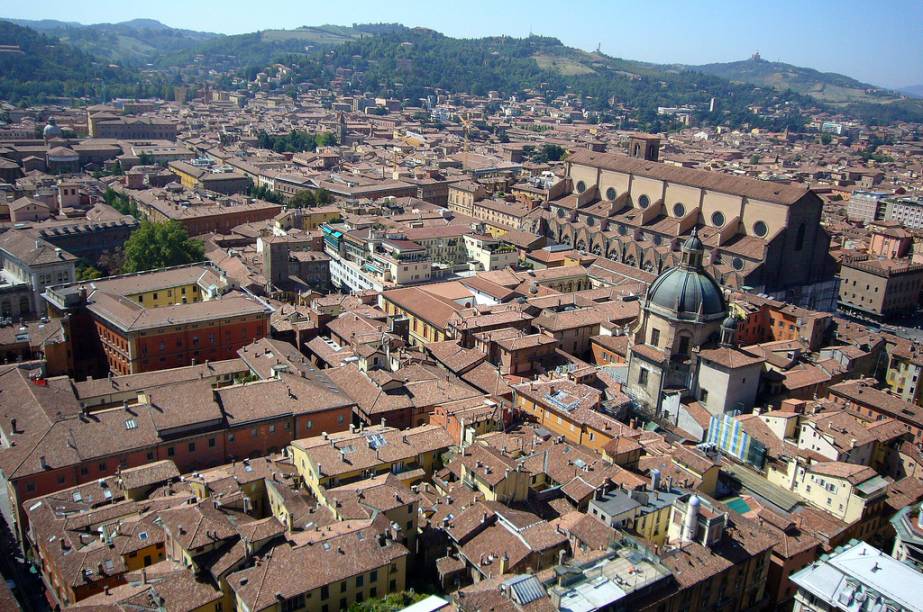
{"points": [[86, 272], [826, 139], [303, 199], [158, 245], [754, 159], [310, 198]]}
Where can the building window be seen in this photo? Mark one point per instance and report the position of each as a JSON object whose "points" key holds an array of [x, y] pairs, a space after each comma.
{"points": [[644, 201], [717, 218], [192, 447], [211, 443], [678, 209], [760, 229], [610, 194], [171, 451], [655, 337], [581, 186], [642, 376]]}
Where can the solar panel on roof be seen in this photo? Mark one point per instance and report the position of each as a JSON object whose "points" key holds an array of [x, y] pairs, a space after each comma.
{"points": [[526, 589]]}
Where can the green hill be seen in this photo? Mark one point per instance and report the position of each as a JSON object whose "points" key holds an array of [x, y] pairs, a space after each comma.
{"points": [[46, 68], [411, 63], [825, 86], [131, 42], [867, 102], [263, 47]]}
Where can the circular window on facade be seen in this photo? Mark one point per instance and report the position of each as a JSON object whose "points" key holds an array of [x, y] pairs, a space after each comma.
{"points": [[561, 213], [717, 218], [623, 230], [760, 229], [581, 186], [610, 193], [591, 221], [644, 201], [678, 209], [738, 263]]}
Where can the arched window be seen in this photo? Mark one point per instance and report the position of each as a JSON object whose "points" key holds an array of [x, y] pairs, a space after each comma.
{"points": [[24, 307], [683, 348], [799, 238]]}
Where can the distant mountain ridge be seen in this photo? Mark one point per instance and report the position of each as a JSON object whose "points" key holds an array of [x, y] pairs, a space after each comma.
{"points": [[828, 87], [392, 59], [46, 69], [912, 90], [131, 42]]}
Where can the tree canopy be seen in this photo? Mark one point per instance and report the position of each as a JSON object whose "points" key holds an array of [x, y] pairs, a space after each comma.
{"points": [[159, 245], [310, 198], [295, 141]]}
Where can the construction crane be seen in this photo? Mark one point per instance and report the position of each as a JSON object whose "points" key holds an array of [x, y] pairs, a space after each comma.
{"points": [[466, 123]]}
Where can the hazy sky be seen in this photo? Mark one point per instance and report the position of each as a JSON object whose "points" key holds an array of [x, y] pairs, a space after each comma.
{"points": [[875, 42]]}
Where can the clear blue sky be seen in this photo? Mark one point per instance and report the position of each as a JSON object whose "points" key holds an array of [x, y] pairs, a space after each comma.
{"points": [[875, 42]]}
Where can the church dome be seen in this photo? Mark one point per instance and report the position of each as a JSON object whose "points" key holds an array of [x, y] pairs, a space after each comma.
{"points": [[52, 130], [687, 291]]}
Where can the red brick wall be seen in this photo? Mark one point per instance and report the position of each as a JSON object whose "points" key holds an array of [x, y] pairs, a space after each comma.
{"points": [[180, 347], [224, 222], [330, 421], [257, 439], [215, 342], [440, 417]]}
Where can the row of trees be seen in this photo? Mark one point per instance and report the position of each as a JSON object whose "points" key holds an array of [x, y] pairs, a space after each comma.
{"points": [[295, 141], [310, 198], [121, 203]]}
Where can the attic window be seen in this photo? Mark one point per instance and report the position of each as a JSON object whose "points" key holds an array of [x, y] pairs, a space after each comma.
{"points": [[143, 536], [326, 545], [108, 565], [131, 424], [77, 497]]}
